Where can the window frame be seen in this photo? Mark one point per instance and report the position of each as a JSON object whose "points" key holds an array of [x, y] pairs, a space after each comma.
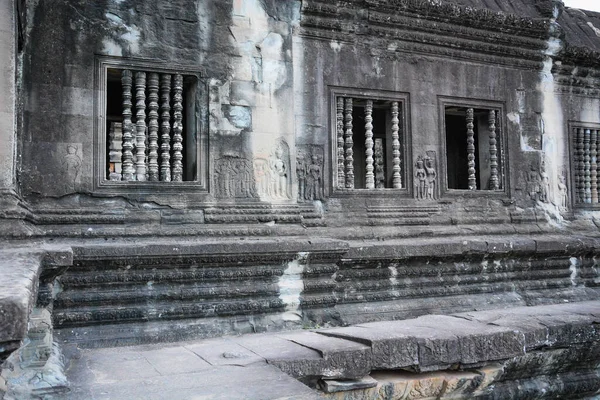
{"points": [[502, 143], [572, 190], [403, 98], [101, 182]]}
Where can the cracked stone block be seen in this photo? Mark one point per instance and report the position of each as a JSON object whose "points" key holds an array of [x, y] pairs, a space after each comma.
{"points": [[343, 359]]}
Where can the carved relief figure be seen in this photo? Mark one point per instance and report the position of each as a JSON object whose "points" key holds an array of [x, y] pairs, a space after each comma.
{"points": [[309, 168], [420, 180], [72, 164], [234, 177], [279, 176], [562, 193], [533, 183], [314, 180], [431, 177], [301, 172], [263, 177], [544, 185]]}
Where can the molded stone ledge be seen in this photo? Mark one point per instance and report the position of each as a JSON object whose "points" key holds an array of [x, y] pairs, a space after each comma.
{"points": [[20, 272], [277, 249]]}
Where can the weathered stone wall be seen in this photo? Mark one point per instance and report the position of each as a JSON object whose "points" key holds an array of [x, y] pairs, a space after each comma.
{"points": [[242, 50], [8, 43]]}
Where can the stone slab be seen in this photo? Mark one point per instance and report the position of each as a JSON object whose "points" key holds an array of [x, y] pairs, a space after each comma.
{"points": [[292, 358], [390, 348], [263, 382], [343, 358], [219, 352], [478, 342]]}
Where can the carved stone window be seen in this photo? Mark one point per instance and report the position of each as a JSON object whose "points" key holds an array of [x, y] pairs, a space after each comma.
{"points": [[584, 147], [370, 141], [149, 134], [474, 147]]}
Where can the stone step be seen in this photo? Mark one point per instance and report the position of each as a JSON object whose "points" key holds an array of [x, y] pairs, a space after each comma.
{"points": [[124, 295], [139, 275], [152, 311], [346, 284], [477, 288]]}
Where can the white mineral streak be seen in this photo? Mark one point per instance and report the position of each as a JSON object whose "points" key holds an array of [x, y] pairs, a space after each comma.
{"points": [[130, 38], [554, 136], [291, 286], [573, 268]]}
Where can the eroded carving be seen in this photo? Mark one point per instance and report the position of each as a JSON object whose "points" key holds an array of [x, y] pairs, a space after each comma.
{"points": [[563, 193], [426, 177], [72, 163], [309, 167], [234, 178]]}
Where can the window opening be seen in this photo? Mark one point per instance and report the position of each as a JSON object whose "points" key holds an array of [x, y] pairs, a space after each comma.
{"points": [[584, 164], [472, 151], [150, 122], [369, 143]]}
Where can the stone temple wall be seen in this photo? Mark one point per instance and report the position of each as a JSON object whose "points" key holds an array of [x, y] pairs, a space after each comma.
{"points": [[257, 165], [264, 94]]}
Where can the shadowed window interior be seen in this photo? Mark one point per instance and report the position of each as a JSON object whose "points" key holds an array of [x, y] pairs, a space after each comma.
{"points": [[473, 151]]}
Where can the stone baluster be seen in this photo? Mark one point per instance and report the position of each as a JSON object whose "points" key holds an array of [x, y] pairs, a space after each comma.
{"points": [[140, 124], [340, 142], [177, 167], [115, 151], [494, 181], [594, 165], [128, 169], [471, 149], [580, 166], [370, 176], [153, 127], [577, 182], [587, 166], [396, 170], [348, 144], [165, 128]]}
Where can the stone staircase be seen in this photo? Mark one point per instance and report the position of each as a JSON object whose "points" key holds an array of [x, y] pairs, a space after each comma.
{"points": [[164, 293]]}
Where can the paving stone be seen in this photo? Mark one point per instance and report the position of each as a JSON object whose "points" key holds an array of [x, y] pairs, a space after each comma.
{"points": [[175, 360], [390, 348], [343, 358], [253, 382], [292, 358], [224, 353]]}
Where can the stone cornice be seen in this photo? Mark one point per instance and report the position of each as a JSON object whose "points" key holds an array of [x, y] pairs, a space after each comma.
{"points": [[466, 33]]}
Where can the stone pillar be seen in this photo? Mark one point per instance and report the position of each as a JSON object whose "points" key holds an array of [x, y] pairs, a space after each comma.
{"points": [[8, 49]]}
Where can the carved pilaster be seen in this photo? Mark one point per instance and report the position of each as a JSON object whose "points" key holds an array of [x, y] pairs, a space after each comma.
{"points": [[128, 170], [153, 127], [340, 142], [140, 124], [348, 144], [587, 166], [594, 165], [177, 167], [165, 128], [580, 166], [370, 176], [397, 177], [471, 149], [494, 181]]}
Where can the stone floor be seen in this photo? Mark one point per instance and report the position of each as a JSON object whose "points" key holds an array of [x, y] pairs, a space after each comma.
{"points": [[209, 369], [263, 366]]}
